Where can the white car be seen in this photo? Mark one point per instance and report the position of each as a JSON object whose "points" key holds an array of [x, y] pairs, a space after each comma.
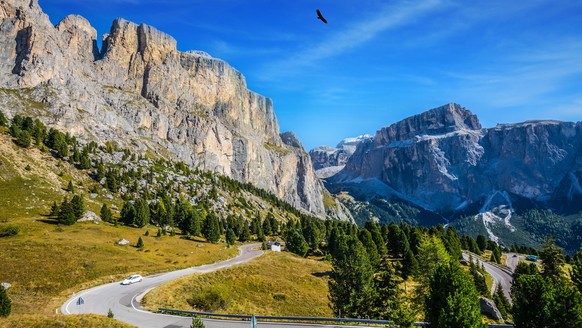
{"points": [[132, 279]]}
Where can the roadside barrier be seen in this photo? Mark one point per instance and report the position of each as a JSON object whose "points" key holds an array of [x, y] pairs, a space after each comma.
{"points": [[264, 318]]}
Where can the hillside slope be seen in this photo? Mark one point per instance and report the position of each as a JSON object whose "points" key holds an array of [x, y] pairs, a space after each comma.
{"points": [[144, 94]]}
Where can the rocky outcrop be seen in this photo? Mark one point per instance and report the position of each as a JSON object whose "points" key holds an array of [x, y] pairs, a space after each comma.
{"points": [[143, 93], [489, 309], [443, 160], [327, 161]]}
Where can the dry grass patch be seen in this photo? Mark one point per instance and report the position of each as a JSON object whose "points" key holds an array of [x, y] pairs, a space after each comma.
{"points": [[85, 320], [45, 263], [274, 284]]}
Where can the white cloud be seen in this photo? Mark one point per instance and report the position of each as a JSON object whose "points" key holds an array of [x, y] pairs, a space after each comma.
{"points": [[357, 34]]}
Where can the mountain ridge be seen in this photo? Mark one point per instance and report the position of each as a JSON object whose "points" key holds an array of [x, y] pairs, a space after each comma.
{"points": [[444, 161], [143, 93]]}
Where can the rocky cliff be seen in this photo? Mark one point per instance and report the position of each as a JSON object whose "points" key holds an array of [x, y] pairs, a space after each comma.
{"points": [[140, 91], [327, 161], [444, 161]]}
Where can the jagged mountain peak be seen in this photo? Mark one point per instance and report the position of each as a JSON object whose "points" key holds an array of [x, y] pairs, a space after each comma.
{"points": [[439, 120], [142, 93]]}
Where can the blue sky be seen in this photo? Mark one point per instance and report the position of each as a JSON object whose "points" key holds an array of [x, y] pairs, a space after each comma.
{"points": [[377, 61]]}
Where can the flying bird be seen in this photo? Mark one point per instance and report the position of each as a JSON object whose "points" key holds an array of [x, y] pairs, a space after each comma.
{"points": [[320, 16]]}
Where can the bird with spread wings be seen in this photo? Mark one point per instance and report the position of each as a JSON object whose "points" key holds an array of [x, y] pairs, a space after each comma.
{"points": [[320, 16]]}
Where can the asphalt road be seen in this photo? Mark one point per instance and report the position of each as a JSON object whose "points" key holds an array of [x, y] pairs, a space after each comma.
{"points": [[512, 260], [124, 301], [499, 276]]}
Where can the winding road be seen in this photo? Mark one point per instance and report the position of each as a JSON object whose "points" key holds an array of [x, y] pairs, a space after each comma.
{"points": [[499, 275], [124, 301]]}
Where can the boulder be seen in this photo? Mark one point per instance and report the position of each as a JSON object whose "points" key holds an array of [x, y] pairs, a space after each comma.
{"points": [[489, 309], [89, 216], [123, 242]]}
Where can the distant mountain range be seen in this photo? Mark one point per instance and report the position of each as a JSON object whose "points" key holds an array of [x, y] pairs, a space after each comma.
{"points": [[445, 164]]}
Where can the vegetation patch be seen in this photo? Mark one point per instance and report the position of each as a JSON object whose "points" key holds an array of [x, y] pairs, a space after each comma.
{"points": [[274, 284], [53, 321]]}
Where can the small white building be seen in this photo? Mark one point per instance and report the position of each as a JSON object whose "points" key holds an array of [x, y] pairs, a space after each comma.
{"points": [[276, 247]]}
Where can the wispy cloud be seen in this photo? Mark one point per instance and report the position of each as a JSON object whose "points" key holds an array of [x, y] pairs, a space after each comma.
{"points": [[358, 33]]}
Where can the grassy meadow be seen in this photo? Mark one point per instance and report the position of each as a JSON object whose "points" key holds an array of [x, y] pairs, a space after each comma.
{"points": [[45, 263], [274, 284]]}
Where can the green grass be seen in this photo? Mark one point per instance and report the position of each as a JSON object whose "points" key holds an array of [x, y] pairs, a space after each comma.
{"points": [[274, 284], [45, 263]]}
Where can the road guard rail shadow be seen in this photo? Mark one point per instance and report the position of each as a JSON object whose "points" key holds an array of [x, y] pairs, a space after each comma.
{"points": [[264, 318]]}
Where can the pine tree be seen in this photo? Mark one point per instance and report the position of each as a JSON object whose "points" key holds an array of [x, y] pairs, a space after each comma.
{"points": [[66, 214], [84, 162], [77, 206], [371, 250], [267, 229], [351, 287], [296, 243], [110, 314], [246, 233], [552, 260], [481, 243], [3, 119], [230, 237], [5, 303], [452, 300], [141, 213], [139, 243], [211, 230], [127, 213], [106, 213], [70, 187], [576, 273], [409, 265], [23, 139], [501, 301], [54, 209], [479, 280], [531, 296], [390, 303]]}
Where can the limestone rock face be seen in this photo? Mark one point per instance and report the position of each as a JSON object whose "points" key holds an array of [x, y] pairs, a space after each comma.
{"points": [[443, 160], [143, 93], [329, 160]]}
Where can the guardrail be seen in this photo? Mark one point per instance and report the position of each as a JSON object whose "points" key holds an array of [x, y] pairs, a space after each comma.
{"points": [[505, 268], [246, 317]]}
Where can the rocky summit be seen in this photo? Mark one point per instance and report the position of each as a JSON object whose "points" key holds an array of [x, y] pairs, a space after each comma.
{"points": [[443, 161], [327, 160], [141, 92]]}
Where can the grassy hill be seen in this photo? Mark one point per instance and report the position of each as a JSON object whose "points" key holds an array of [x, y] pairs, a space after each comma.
{"points": [[274, 284]]}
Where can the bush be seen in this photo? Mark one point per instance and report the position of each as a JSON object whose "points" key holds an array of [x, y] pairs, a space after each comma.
{"points": [[23, 139], [197, 323], [5, 303], [9, 230], [208, 300]]}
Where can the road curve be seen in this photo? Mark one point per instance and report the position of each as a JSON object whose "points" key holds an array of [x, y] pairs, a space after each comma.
{"points": [[500, 276], [124, 301]]}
